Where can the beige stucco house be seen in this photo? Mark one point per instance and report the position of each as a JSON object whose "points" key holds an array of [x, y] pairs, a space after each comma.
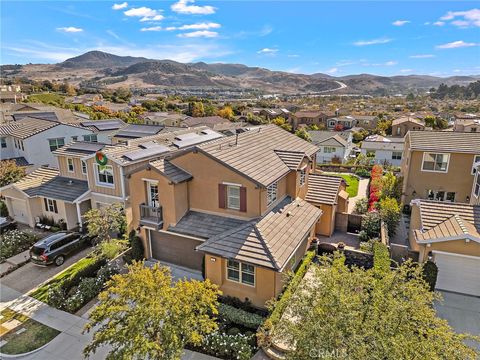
{"points": [[401, 126]]}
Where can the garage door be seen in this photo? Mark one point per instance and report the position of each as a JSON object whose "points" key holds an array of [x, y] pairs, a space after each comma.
{"points": [[458, 273], [19, 211], [176, 249]]}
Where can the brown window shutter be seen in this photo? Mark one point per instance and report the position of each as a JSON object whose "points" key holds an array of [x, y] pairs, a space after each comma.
{"points": [[243, 199], [222, 201]]}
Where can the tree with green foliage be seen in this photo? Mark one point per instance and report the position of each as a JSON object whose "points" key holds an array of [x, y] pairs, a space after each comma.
{"points": [[391, 186], [196, 109], [143, 315], [303, 134], [390, 213], [10, 172], [226, 113], [104, 222], [352, 313], [384, 127], [359, 135], [370, 226], [280, 121]]}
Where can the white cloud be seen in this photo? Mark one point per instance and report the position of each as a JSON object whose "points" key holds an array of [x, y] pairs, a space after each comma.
{"points": [[439, 23], [200, 33], [145, 14], [199, 26], [267, 29], [403, 71], [267, 51], [456, 44], [69, 29], [372, 42], [152, 28], [120, 6], [293, 55], [295, 70], [182, 7], [422, 56], [400, 22], [468, 18], [391, 63], [333, 70]]}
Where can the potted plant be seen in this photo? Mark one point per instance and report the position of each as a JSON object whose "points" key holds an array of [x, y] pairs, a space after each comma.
{"points": [[341, 245]]}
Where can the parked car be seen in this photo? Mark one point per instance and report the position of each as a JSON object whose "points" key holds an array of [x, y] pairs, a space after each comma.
{"points": [[55, 248], [7, 224]]}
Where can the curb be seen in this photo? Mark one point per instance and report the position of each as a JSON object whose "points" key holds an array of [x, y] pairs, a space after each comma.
{"points": [[14, 356]]}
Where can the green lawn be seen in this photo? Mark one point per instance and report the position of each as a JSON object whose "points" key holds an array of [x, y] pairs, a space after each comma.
{"points": [[34, 336], [42, 292], [352, 183]]}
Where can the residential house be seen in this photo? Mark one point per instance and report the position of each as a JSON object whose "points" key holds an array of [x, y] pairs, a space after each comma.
{"points": [[383, 150], [163, 118], [308, 118], [438, 165], [467, 124], [334, 147], [103, 130], [475, 197], [341, 122], [235, 207], [271, 114], [135, 131], [448, 234], [368, 122], [210, 121], [401, 126]]}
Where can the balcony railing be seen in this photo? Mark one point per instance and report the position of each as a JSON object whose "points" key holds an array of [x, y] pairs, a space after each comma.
{"points": [[151, 215]]}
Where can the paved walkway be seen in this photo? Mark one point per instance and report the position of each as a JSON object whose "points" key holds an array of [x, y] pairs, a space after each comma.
{"points": [[362, 193]]}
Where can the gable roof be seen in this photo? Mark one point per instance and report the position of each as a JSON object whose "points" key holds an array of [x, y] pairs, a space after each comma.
{"points": [[269, 242], [59, 188], [320, 137], [26, 127], [309, 114], [445, 141], [171, 171], [253, 153], [407, 119], [35, 178], [135, 131], [323, 189], [292, 159], [453, 228], [209, 121]]}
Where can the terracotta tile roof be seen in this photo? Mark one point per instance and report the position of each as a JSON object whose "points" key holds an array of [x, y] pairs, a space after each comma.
{"points": [[407, 119], [292, 159], [253, 153], [35, 178], [26, 127], [171, 171], [455, 142], [309, 114], [209, 121], [323, 189], [442, 220], [269, 242]]}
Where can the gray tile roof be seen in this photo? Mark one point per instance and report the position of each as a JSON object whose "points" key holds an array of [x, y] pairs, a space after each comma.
{"points": [[79, 148], [253, 153], [137, 131], [171, 171], [270, 241], [333, 138], [209, 121], [59, 188], [445, 141], [432, 213], [323, 189], [292, 159], [203, 225]]}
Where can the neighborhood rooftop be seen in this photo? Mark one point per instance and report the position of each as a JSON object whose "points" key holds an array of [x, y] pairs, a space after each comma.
{"points": [[172, 172], [253, 153], [445, 141], [329, 137], [323, 189], [433, 213]]}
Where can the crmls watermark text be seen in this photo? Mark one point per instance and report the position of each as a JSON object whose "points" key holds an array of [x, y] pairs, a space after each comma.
{"points": [[327, 354]]}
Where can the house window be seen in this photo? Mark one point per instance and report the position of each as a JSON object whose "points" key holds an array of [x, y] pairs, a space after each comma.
{"points": [[441, 195], [476, 159], [303, 176], [105, 175], [233, 197], [84, 167], [331, 123], [90, 137], [241, 272], [450, 196], [271, 193], [70, 166], [476, 190], [56, 143], [3, 141], [50, 205], [329, 149], [74, 138], [396, 155], [398, 130], [435, 162]]}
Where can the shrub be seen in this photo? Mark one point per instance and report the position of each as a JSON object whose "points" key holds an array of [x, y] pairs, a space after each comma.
{"points": [[381, 257], [245, 305], [3, 209], [430, 272], [112, 248], [390, 213], [88, 271], [227, 346], [138, 251], [371, 225], [375, 186], [362, 172], [363, 236], [367, 246], [239, 316], [14, 242], [361, 206]]}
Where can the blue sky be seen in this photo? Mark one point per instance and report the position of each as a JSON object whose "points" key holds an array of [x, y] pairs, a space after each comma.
{"points": [[338, 38]]}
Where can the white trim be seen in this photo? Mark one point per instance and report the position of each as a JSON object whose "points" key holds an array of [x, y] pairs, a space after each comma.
{"points": [[150, 242], [122, 180], [101, 184], [86, 167], [79, 217], [435, 171], [181, 235], [475, 164], [455, 254], [150, 180], [231, 184], [450, 238]]}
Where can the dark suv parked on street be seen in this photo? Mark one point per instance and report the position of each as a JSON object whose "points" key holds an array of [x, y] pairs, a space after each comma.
{"points": [[54, 248]]}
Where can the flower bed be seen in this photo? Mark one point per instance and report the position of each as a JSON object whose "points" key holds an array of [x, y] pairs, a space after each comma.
{"points": [[16, 241], [375, 187], [228, 346]]}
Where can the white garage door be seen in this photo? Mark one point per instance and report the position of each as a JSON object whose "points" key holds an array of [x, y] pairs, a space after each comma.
{"points": [[19, 209], [458, 273]]}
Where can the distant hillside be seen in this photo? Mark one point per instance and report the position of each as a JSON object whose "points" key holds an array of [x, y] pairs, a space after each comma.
{"points": [[100, 69]]}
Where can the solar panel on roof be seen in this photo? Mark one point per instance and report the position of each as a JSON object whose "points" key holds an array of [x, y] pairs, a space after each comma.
{"points": [[85, 147], [196, 139], [50, 115], [103, 125], [143, 153], [148, 145]]}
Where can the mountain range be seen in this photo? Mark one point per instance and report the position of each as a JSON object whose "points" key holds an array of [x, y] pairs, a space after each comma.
{"points": [[100, 69]]}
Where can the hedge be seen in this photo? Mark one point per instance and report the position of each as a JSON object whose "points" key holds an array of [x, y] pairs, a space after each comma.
{"points": [[239, 316], [284, 299], [381, 257], [227, 346], [430, 272]]}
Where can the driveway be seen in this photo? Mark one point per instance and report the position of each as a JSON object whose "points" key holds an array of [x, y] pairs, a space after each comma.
{"points": [[29, 276], [461, 311]]}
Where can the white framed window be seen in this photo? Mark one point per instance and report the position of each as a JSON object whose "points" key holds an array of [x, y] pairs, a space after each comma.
{"points": [[50, 205], [90, 138], [241, 272], [272, 193], [329, 149], [476, 159], [56, 143], [303, 176], [70, 165], [3, 142], [233, 197], [74, 138], [476, 186], [331, 123], [396, 155], [399, 130], [105, 175], [435, 162], [440, 195], [84, 167]]}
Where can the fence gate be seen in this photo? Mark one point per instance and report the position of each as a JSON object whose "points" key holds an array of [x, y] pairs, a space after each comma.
{"points": [[354, 223]]}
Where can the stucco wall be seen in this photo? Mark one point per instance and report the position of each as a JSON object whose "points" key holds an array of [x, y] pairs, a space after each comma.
{"points": [[462, 247]]}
